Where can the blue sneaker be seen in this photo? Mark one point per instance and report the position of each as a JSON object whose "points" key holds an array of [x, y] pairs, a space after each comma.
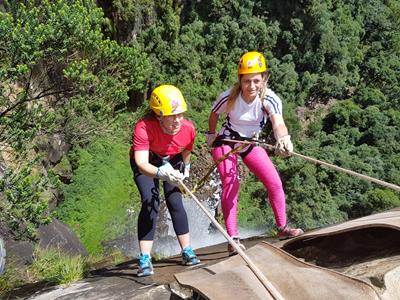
{"points": [[145, 266], [189, 258]]}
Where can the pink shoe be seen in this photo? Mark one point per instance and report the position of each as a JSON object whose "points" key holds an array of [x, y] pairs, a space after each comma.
{"points": [[232, 251], [286, 232]]}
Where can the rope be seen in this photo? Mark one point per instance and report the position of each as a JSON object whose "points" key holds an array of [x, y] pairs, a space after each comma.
{"points": [[202, 181], [362, 176], [268, 286]]}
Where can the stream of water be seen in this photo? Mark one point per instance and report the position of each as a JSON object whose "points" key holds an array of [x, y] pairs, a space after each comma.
{"points": [[166, 243], [200, 234]]}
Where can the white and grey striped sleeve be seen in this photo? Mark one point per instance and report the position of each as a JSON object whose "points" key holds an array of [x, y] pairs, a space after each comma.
{"points": [[220, 103], [272, 103]]}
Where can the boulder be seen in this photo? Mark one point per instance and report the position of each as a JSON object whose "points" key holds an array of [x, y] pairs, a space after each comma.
{"points": [[58, 235]]}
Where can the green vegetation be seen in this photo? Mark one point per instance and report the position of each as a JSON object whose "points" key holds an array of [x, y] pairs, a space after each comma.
{"points": [[11, 279], [55, 267], [252, 207], [23, 205], [96, 202], [59, 72], [50, 266]]}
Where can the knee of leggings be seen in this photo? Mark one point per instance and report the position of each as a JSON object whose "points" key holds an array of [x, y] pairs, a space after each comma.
{"points": [[275, 188]]}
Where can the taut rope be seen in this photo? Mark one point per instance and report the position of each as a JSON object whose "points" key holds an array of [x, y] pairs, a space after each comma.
{"points": [[362, 176]]}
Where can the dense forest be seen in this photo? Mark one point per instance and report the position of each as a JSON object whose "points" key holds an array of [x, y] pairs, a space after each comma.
{"points": [[79, 73]]}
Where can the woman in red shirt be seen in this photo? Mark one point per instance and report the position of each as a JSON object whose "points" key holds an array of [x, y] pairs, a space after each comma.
{"points": [[162, 144]]}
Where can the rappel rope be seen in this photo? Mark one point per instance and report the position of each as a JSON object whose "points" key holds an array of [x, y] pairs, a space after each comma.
{"points": [[364, 177], [260, 276], [264, 281], [202, 181]]}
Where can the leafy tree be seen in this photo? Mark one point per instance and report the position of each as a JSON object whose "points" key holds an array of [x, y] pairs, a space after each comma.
{"points": [[59, 73], [375, 200], [253, 208], [323, 37], [23, 205], [127, 18]]}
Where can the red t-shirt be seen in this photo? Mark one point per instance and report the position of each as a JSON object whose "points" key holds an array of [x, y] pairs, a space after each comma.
{"points": [[148, 135]]}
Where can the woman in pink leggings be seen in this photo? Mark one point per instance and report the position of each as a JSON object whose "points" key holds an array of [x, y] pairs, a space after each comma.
{"points": [[247, 106]]}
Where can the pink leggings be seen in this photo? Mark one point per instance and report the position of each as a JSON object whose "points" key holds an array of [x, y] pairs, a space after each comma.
{"points": [[261, 166]]}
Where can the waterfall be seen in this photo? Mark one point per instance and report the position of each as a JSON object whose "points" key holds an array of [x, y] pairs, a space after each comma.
{"points": [[200, 234]]}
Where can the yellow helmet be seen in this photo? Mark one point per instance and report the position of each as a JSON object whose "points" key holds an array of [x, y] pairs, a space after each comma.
{"points": [[167, 100], [252, 62]]}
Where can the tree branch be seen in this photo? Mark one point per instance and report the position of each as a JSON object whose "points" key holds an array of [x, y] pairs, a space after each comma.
{"points": [[41, 95]]}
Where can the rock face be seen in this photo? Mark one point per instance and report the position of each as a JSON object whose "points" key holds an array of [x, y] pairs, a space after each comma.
{"points": [[58, 235], [55, 147], [285, 278], [364, 253], [365, 250], [54, 235], [19, 252], [120, 281], [110, 288]]}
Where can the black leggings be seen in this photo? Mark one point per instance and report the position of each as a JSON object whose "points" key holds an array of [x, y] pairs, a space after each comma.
{"points": [[150, 196]]}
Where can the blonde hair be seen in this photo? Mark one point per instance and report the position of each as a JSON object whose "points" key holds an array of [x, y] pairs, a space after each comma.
{"points": [[236, 89]]}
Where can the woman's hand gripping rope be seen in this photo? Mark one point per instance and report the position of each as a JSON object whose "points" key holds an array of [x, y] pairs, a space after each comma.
{"points": [[284, 146], [202, 181], [167, 173]]}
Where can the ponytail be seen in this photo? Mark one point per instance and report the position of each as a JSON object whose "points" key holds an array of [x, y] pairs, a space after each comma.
{"points": [[264, 88], [232, 96]]}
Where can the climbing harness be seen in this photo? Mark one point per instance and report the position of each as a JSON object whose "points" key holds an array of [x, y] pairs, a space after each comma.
{"points": [[316, 161], [264, 281], [219, 141], [202, 181]]}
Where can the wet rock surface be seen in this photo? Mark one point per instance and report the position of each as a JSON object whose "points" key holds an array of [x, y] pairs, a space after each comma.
{"points": [[120, 281]]}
